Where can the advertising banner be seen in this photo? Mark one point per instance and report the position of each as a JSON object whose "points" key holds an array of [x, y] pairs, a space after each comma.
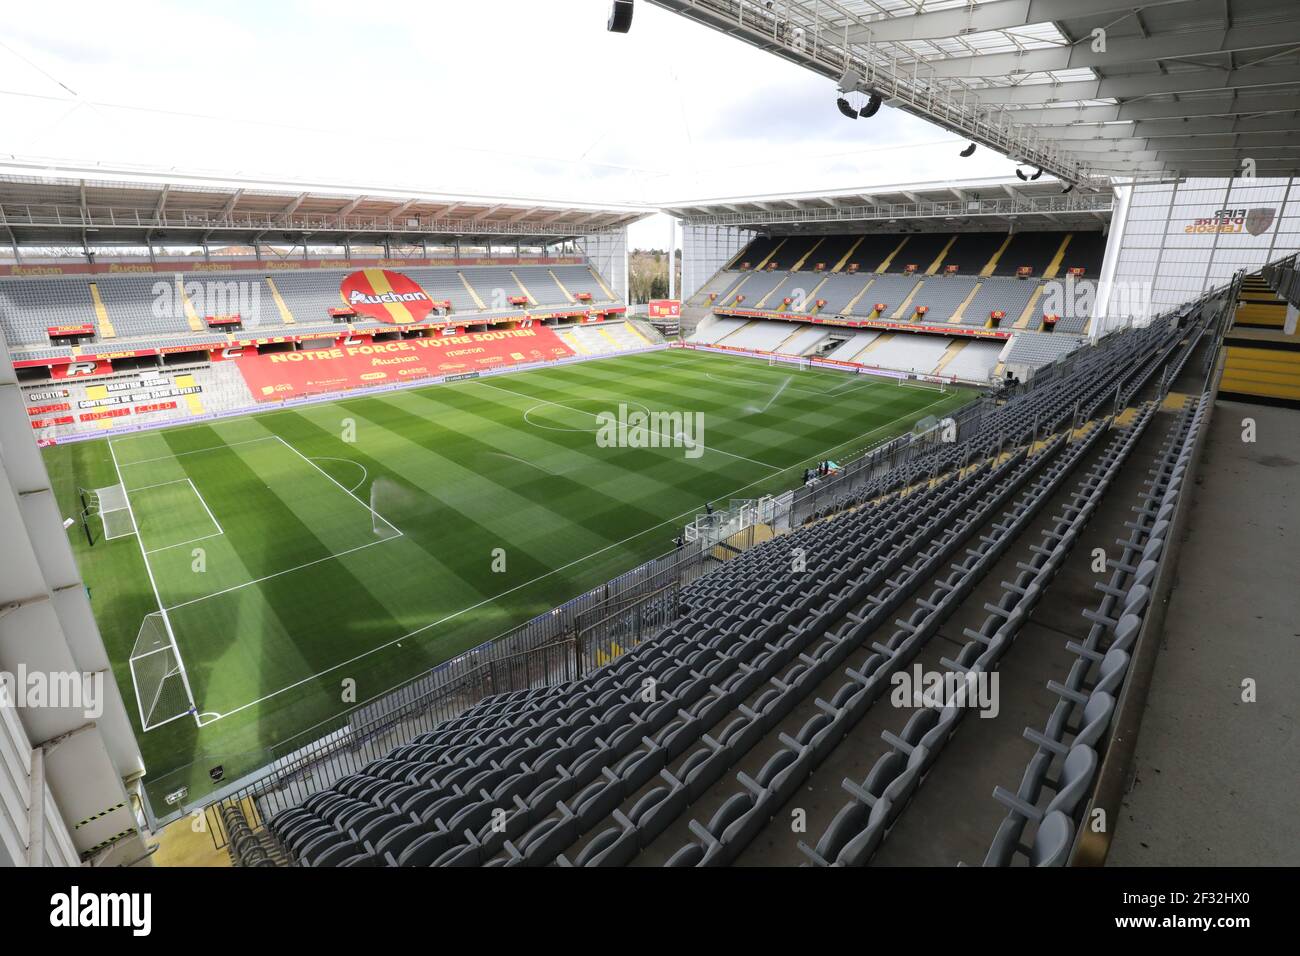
{"points": [[386, 296], [288, 374], [665, 309]]}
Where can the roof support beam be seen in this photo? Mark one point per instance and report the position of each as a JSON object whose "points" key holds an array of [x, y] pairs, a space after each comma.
{"points": [[351, 206], [1119, 50], [290, 209], [231, 203], [995, 15], [1223, 104], [1241, 141], [1184, 81], [1269, 123], [162, 202]]}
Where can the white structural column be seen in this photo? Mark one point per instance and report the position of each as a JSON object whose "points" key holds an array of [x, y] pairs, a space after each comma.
{"points": [[65, 762]]}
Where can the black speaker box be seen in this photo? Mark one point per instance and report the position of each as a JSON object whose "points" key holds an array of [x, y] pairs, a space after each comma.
{"points": [[620, 16]]}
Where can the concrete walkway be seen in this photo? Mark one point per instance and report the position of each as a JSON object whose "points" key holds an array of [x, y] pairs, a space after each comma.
{"points": [[1216, 779]]}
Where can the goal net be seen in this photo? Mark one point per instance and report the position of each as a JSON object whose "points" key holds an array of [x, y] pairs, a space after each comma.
{"points": [[114, 512], [939, 387], [161, 689]]}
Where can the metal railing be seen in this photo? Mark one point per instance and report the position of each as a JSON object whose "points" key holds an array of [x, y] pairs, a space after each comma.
{"points": [[560, 645], [204, 220], [1282, 278], [937, 209]]}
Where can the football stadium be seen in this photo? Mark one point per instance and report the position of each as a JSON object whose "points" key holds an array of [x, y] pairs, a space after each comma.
{"points": [[938, 510]]}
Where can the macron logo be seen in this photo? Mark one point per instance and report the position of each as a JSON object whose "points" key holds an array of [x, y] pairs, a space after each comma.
{"points": [[77, 909]]}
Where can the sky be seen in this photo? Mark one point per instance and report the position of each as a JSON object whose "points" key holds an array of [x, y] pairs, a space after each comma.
{"points": [[513, 98]]}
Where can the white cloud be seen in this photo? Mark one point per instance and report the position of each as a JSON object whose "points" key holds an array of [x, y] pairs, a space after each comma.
{"points": [[511, 97]]}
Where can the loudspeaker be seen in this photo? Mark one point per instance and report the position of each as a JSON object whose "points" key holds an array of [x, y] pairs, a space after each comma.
{"points": [[620, 17]]}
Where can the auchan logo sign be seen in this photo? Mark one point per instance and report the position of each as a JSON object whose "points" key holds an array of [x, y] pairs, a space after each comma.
{"points": [[386, 296]]}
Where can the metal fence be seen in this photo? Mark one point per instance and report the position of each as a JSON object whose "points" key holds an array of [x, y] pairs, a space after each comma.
{"points": [[560, 645], [884, 457]]}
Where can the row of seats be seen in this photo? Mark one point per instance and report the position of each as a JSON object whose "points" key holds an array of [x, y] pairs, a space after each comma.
{"points": [[619, 754], [1120, 359], [999, 253], [1068, 750], [743, 814], [858, 295], [148, 306], [808, 655], [246, 846], [702, 666], [864, 823], [905, 352]]}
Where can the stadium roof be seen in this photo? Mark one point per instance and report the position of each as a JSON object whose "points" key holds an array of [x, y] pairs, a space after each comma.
{"points": [[1178, 88], [992, 204], [71, 204]]}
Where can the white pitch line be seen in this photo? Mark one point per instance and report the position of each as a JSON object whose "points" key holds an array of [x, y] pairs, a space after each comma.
{"points": [[533, 398], [344, 490], [540, 577], [197, 451], [211, 516], [161, 484], [181, 544], [364, 471], [328, 557], [171, 637]]}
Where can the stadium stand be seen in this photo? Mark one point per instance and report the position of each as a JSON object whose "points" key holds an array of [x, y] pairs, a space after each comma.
{"points": [[974, 361], [759, 336], [918, 354], [1074, 738], [852, 346], [608, 338], [1011, 296], [156, 396], [147, 398], [154, 307], [28, 309], [590, 772]]}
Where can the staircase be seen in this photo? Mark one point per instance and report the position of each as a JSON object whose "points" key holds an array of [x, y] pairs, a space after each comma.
{"points": [[1261, 358]]}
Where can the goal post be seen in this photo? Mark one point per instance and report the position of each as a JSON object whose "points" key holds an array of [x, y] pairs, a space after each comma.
{"points": [[923, 385], [162, 689], [115, 512]]}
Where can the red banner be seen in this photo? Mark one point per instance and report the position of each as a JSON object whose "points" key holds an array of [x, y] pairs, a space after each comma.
{"points": [[46, 409], [81, 369], [665, 308], [286, 374], [58, 330], [109, 413]]}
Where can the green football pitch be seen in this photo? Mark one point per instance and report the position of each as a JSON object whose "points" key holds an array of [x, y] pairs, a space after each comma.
{"points": [[311, 558]]}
